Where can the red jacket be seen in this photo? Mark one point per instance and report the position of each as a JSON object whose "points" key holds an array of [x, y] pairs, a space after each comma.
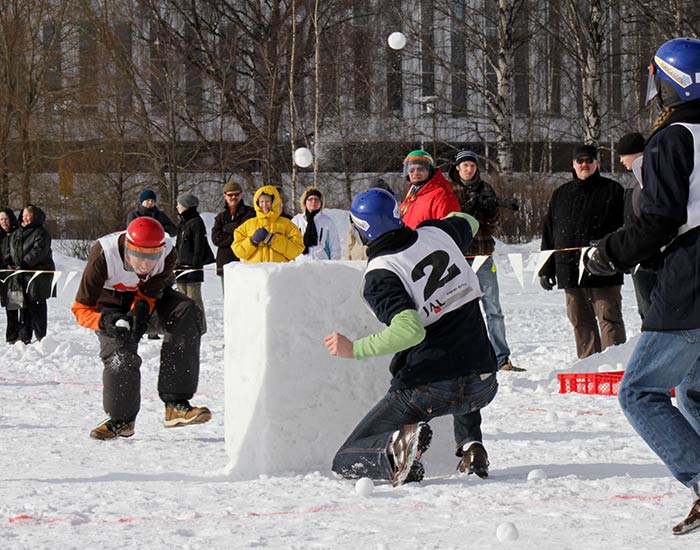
{"points": [[433, 201]]}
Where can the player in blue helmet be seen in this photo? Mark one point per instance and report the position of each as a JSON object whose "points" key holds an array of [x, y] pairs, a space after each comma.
{"points": [[419, 284], [373, 213], [673, 73], [667, 235]]}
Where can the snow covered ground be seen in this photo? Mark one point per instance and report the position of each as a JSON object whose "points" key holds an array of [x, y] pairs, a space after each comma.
{"points": [[566, 470]]}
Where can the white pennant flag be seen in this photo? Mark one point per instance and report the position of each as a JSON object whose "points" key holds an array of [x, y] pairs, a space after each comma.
{"points": [[56, 277], [478, 262], [581, 267], [541, 260], [69, 277], [516, 262]]}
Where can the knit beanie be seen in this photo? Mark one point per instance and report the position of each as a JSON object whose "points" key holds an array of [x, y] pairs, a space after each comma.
{"points": [[147, 194], [310, 192], [465, 155], [188, 200], [630, 144]]}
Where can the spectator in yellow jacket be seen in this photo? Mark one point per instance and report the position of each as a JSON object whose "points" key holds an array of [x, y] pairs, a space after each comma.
{"points": [[268, 237]]}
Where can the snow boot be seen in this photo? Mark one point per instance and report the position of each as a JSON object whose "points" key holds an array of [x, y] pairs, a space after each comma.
{"points": [[111, 429], [181, 413], [475, 460], [410, 444], [690, 523]]}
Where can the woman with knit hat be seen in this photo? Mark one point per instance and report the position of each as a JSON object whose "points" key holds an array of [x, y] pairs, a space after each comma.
{"points": [[321, 241]]}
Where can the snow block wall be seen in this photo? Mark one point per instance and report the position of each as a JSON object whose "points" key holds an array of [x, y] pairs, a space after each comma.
{"points": [[289, 405]]}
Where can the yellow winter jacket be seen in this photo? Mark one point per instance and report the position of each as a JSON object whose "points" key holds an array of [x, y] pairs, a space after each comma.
{"points": [[287, 242]]}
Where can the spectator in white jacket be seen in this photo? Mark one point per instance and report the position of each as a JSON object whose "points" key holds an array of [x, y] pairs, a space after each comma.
{"points": [[321, 241]]}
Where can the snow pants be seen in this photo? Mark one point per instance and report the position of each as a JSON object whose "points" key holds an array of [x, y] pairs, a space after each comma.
{"points": [[180, 321]]}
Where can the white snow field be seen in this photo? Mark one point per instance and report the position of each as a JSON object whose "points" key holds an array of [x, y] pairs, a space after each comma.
{"points": [[567, 470]]}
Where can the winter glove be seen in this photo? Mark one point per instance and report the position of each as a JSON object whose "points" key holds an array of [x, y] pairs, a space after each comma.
{"points": [[596, 262], [115, 323], [139, 316], [486, 201], [511, 204], [548, 281], [261, 235]]}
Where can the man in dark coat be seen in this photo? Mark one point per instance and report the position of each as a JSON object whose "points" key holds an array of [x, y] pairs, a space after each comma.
{"points": [[30, 248], [8, 225], [581, 211], [234, 214], [148, 207]]}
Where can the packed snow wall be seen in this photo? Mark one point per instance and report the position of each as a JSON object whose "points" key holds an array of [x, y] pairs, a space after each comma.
{"points": [[289, 404]]}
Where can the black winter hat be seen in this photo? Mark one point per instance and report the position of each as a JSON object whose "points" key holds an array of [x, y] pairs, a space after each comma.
{"points": [[465, 155], [583, 150], [631, 144]]}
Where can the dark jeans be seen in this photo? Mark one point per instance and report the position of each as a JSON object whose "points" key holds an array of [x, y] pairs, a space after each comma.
{"points": [[33, 319], [180, 321], [12, 330], [366, 453]]}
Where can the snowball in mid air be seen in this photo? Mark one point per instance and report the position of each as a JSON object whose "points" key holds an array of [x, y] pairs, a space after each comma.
{"points": [[303, 157], [396, 40]]}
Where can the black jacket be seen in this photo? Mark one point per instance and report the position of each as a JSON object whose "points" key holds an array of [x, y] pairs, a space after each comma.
{"points": [[222, 233], [193, 251], [155, 213], [669, 161], [30, 248], [580, 212], [5, 254]]}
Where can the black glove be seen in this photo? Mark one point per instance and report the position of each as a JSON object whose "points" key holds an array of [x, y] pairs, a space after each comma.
{"points": [[486, 201], [110, 321], [548, 281], [511, 204], [139, 316], [596, 262], [260, 235]]}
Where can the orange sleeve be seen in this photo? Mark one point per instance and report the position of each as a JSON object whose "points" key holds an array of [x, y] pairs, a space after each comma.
{"points": [[87, 316], [150, 301]]}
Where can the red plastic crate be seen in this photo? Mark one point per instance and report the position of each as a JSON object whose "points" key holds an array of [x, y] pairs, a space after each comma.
{"points": [[594, 383]]}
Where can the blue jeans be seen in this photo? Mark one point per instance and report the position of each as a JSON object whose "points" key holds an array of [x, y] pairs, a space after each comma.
{"points": [[366, 452], [488, 280], [661, 361]]}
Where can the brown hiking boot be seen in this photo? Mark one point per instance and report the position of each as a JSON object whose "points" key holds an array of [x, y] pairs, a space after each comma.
{"points": [[111, 429], [475, 460], [509, 366], [183, 414], [691, 523], [413, 440]]}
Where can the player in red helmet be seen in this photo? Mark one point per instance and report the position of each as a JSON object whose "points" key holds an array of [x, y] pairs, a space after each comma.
{"points": [[128, 278]]}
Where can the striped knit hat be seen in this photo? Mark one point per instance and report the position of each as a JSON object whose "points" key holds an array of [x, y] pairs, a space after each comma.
{"points": [[420, 157]]}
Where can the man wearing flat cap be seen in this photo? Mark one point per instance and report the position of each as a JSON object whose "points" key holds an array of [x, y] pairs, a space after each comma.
{"points": [[581, 211]]}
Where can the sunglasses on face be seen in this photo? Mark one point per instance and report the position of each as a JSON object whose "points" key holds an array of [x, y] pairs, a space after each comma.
{"points": [[233, 194], [585, 161]]}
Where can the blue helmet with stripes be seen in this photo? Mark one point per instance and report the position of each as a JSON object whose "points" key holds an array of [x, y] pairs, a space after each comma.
{"points": [[373, 213]]}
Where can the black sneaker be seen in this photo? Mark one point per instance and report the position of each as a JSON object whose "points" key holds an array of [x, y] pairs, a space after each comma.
{"points": [[691, 523], [475, 460], [413, 440], [111, 429], [154, 336]]}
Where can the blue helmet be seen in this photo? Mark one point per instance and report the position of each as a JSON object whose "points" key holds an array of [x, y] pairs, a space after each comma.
{"points": [[373, 213], [674, 73]]}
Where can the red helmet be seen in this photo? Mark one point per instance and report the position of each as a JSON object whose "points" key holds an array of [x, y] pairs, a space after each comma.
{"points": [[145, 238]]}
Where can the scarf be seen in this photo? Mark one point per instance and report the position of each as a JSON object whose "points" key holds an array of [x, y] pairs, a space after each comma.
{"points": [[311, 235]]}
